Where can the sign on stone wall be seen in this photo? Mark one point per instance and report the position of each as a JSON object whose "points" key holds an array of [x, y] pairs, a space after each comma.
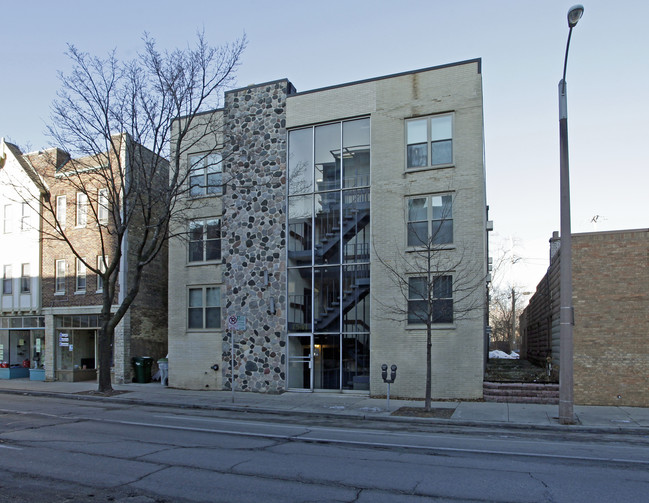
{"points": [[236, 322]]}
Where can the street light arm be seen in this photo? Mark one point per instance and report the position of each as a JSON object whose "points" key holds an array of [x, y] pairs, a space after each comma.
{"points": [[565, 59]]}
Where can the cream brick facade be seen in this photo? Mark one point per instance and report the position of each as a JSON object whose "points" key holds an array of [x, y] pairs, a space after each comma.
{"points": [[388, 102]]}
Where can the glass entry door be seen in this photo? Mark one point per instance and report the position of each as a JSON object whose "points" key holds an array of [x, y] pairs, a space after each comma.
{"points": [[326, 360], [300, 362]]}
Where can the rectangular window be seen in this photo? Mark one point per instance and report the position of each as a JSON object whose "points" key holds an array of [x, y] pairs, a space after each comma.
{"points": [[61, 208], [81, 276], [24, 217], [430, 220], [204, 308], [102, 206], [205, 174], [101, 266], [436, 297], [6, 227], [429, 141], [7, 280], [25, 279], [82, 209], [59, 279], [205, 240]]}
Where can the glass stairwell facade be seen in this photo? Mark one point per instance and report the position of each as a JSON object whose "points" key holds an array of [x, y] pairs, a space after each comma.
{"points": [[329, 256]]}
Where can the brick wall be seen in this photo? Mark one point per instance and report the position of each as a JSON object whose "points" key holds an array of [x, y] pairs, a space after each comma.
{"points": [[611, 334], [143, 330], [611, 331]]}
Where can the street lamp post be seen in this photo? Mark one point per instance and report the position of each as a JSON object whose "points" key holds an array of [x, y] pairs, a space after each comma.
{"points": [[566, 319]]}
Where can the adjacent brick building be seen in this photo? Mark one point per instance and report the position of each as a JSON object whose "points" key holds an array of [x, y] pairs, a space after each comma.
{"points": [[611, 331], [70, 294], [294, 209]]}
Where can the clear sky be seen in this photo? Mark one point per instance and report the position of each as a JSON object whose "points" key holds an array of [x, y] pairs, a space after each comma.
{"points": [[317, 44]]}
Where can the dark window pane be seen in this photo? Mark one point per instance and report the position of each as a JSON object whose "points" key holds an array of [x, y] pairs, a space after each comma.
{"points": [[195, 317], [442, 232], [196, 251], [213, 317], [417, 311], [213, 249], [417, 155], [418, 234], [443, 311], [442, 152], [443, 287], [417, 288]]}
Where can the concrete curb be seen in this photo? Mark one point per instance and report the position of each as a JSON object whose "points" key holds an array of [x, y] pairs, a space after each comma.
{"points": [[431, 422]]}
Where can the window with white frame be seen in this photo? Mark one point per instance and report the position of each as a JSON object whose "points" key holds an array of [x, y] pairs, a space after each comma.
{"points": [[101, 266], [435, 296], [102, 206], [205, 174], [430, 220], [59, 277], [24, 216], [204, 308], [25, 279], [429, 141], [61, 209], [7, 214], [81, 276], [82, 209], [205, 240], [7, 280]]}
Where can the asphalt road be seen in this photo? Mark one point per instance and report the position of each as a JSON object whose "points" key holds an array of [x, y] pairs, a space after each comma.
{"points": [[72, 451]]}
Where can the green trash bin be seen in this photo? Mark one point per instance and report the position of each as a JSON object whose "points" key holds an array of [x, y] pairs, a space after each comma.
{"points": [[142, 365]]}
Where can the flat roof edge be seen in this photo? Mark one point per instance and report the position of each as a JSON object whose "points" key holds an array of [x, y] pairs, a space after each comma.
{"points": [[394, 75]]}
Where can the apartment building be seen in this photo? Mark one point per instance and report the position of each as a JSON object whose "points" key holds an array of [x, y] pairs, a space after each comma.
{"points": [[72, 235], [22, 330], [298, 270]]}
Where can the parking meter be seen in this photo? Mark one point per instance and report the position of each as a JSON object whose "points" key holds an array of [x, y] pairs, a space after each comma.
{"points": [[384, 376], [384, 373]]}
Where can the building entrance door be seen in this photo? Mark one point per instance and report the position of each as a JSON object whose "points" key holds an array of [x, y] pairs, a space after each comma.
{"points": [[326, 362], [300, 362]]}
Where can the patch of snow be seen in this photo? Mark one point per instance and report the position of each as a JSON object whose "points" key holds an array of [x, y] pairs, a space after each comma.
{"points": [[370, 409], [501, 354]]}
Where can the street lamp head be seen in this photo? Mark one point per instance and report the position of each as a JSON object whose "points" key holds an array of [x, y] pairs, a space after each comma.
{"points": [[574, 15]]}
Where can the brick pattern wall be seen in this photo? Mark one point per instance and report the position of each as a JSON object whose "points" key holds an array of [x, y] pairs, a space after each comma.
{"points": [[143, 330], [611, 334], [611, 331]]}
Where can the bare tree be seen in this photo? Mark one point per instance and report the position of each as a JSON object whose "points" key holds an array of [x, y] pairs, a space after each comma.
{"points": [[504, 295], [117, 119], [438, 279]]}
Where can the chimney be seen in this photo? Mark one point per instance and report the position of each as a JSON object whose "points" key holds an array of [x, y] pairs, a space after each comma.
{"points": [[555, 244]]}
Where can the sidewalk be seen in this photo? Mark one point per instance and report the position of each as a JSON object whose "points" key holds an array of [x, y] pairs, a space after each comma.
{"points": [[485, 414]]}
